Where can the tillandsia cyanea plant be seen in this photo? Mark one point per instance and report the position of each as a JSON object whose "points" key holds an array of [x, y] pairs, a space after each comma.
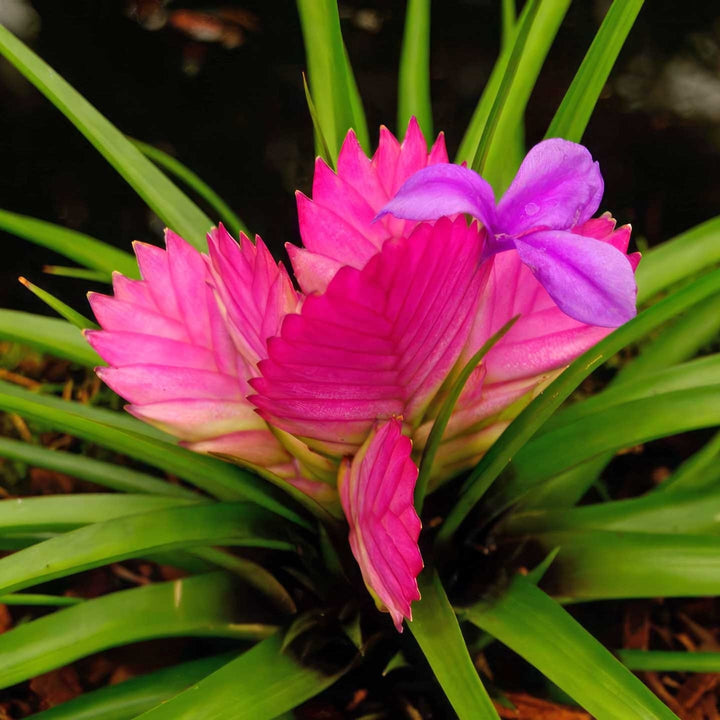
{"points": [[441, 314]]}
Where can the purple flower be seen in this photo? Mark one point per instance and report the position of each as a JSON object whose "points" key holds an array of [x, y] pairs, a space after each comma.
{"points": [[557, 188]]}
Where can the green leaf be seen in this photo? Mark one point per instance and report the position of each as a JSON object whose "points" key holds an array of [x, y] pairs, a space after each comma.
{"points": [[79, 273], [126, 435], [577, 106], [357, 110], [414, 75], [62, 309], [617, 427], [533, 625], [683, 339], [132, 536], [200, 606], [109, 475], [253, 574], [688, 511], [694, 251], [537, 413], [604, 564], [58, 513], [636, 379], [43, 600], [233, 223], [536, 30], [446, 410], [698, 472], [165, 199], [670, 661], [261, 684], [49, 335], [436, 630], [320, 139], [686, 376], [85, 250], [128, 699], [330, 74]]}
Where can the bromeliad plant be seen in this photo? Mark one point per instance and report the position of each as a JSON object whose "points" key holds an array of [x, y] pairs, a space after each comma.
{"points": [[434, 334]]}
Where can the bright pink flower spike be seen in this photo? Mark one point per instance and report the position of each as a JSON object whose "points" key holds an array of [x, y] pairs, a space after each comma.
{"points": [[336, 225], [376, 491], [378, 343], [169, 351]]}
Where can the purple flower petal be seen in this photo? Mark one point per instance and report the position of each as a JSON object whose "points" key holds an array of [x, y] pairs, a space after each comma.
{"points": [[591, 281], [557, 187], [443, 190]]}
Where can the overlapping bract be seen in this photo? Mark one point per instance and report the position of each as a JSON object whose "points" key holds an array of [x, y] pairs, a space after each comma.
{"points": [[376, 491], [221, 351]]}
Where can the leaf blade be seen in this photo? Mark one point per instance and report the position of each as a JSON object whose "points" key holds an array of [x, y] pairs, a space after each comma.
{"points": [[81, 248], [163, 197], [534, 416], [131, 536], [261, 684], [200, 606], [414, 74], [573, 115], [436, 629], [537, 628]]}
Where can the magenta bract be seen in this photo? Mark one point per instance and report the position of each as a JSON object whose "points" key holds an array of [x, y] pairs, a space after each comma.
{"points": [[335, 389]]}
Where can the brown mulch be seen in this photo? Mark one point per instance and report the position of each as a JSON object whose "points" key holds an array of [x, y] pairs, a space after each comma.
{"points": [[688, 625]]}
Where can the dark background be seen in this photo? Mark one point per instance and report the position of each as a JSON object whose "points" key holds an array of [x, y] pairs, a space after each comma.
{"points": [[237, 116]]}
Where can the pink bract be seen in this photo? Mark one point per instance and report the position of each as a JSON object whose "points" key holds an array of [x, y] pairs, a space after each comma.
{"points": [[338, 389], [376, 491], [336, 225], [174, 352]]}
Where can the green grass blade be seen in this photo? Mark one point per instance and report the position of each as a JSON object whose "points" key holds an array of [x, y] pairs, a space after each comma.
{"points": [[670, 661], [113, 430], [201, 606], [680, 341], [58, 513], [165, 199], [253, 574], [688, 512], [604, 564], [133, 536], [686, 376], [473, 133], [233, 223], [65, 311], [577, 106], [698, 472], [83, 249], [261, 684], [357, 109], [617, 427], [320, 139], [329, 72], [131, 698], [78, 273], [688, 254], [109, 475], [538, 412], [34, 599], [525, 619], [414, 75], [443, 416], [49, 335], [536, 30], [436, 630]]}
